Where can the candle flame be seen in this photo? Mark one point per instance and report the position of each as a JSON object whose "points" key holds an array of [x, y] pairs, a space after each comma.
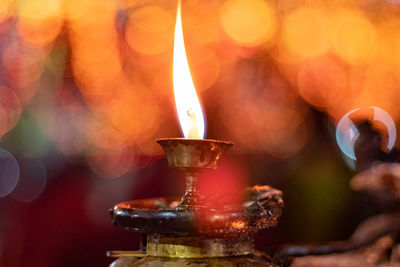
{"points": [[187, 102]]}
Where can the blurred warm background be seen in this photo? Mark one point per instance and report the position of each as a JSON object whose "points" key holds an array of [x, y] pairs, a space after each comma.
{"points": [[86, 88]]}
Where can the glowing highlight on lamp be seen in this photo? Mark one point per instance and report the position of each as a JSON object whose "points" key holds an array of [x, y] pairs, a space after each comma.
{"points": [[187, 102]]}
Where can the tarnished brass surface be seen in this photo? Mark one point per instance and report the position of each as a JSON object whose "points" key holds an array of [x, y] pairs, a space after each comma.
{"points": [[261, 209], [126, 253], [253, 260], [195, 247], [193, 153]]}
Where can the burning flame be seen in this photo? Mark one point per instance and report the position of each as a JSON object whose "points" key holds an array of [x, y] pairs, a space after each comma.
{"points": [[187, 103]]}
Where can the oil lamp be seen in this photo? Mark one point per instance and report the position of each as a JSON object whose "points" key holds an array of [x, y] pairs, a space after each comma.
{"points": [[190, 230], [191, 153]]}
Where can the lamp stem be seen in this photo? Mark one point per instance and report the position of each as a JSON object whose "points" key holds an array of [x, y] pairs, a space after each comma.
{"points": [[190, 200]]}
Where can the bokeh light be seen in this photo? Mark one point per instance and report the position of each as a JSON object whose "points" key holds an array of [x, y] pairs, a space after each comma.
{"points": [[73, 9], [9, 175], [10, 109], [347, 131], [353, 36], [305, 32], [23, 66], [7, 8], [322, 82], [111, 163], [40, 21], [259, 67], [150, 30], [32, 182], [248, 22], [201, 24]]}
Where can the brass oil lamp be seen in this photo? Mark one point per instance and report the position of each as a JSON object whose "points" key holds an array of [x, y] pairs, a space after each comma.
{"points": [[192, 231]]}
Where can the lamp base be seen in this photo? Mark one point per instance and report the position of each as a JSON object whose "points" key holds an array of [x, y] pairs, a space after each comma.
{"points": [[257, 259]]}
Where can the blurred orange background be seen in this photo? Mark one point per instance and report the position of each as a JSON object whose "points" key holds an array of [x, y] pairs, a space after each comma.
{"points": [[91, 82]]}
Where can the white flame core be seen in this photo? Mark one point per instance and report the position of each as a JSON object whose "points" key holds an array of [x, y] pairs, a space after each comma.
{"points": [[187, 102]]}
